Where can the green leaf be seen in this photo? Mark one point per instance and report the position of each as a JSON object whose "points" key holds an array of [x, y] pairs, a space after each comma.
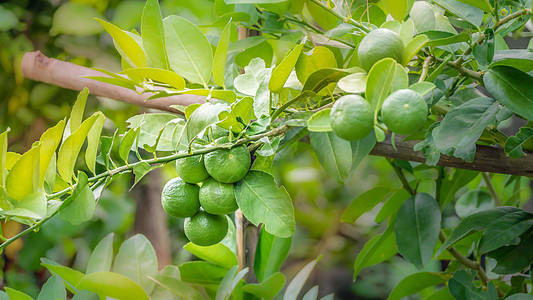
{"points": [[151, 125], [462, 126], [217, 254], [520, 59], [139, 170], [262, 99], [423, 16], [261, 201], [297, 283], [392, 205], [318, 58], [71, 146], [361, 149], [268, 288], [321, 15], [481, 4], [363, 203], [93, 139], [520, 296], [354, 83], [320, 122], [476, 222], [462, 286], [505, 230], [513, 144], [76, 116], [32, 206], [417, 228], [321, 79], [281, 72], [400, 80], [512, 87], [177, 287], [136, 259], [332, 153], [379, 82], [3, 154], [472, 15], [50, 139], [398, 8], [189, 51], [485, 53], [412, 48], [416, 282], [513, 259], [229, 282], [422, 87], [221, 53], [102, 256], [161, 75], [204, 116], [202, 273], [54, 288], [153, 35], [127, 142], [451, 184], [80, 206], [443, 38], [134, 53], [270, 253], [238, 117], [379, 248], [109, 284], [473, 201], [17, 295], [70, 276], [23, 178]]}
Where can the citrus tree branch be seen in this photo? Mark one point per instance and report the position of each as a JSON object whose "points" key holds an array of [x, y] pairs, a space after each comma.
{"points": [[37, 66]]}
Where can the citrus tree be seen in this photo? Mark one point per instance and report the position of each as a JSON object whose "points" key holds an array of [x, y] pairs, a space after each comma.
{"points": [[433, 82]]}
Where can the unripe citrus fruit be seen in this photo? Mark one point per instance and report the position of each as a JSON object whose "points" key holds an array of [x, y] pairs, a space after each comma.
{"points": [[180, 199], [404, 111], [217, 198], [351, 117], [228, 165], [379, 44], [191, 169], [205, 229]]}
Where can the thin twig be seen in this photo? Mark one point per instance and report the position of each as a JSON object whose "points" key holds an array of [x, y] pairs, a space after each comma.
{"points": [[425, 68], [492, 191]]}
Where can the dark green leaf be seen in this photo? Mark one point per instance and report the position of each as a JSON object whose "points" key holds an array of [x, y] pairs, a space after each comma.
{"points": [[472, 202], [520, 59], [513, 145], [485, 53], [462, 126], [332, 153], [270, 253], [513, 259], [462, 287], [392, 204], [476, 222], [417, 228], [451, 184], [416, 282], [441, 38], [268, 288], [364, 203], [322, 78], [472, 15], [505, 230], [377, 249], [361, 149], [511, 87], [261, 201]]}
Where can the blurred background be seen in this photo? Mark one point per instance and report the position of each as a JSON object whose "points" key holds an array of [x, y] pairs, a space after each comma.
{"points": [[66, 30]]}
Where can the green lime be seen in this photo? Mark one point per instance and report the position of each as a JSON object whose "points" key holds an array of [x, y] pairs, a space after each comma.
{"points": [[379, 44], [180, 199], [191, 169], [404, 112], [352, 117], [228, 165], [217, 198], [205, 229]]}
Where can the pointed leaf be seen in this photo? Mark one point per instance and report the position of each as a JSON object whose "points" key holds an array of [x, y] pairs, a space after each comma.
{"points": [[297, 283], [17, 295], [217, 254], [230, 281], [364, 203], [112, 285], [332, 153], [134, 53], [261, 201], [76, 116], [160, 75], [505, 230], [93, 140], [281, 72], [102, 256], [153, 35], [54, 288], [270, 253], [379, 82], [221, 54], [377, 249], [416, 282], [189, 51]]}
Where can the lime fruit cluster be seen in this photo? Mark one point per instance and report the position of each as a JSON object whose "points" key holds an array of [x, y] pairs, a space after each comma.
{"points": [[404, 112], [203, 193], [379, 44], [351, 117]]}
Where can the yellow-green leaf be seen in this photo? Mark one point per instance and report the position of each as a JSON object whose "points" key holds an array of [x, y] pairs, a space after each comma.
{"points": [[281, 72], [412, 48], [112, 285], [160, 75], [76, 116], [93, 139], [134, 53], [221, 53], [3, 154], [69, 150], [398, 8], [318, 58], [153, 35], [50, 139], [23, 179], [379, 82]]}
